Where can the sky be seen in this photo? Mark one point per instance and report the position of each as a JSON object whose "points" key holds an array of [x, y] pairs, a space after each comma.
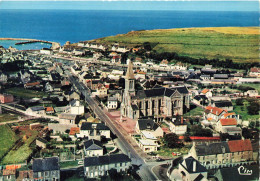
{"points": [[186, 5]]}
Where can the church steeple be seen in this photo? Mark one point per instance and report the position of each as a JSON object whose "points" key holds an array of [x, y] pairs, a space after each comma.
{"points": [[130, 79], [130, 73]]}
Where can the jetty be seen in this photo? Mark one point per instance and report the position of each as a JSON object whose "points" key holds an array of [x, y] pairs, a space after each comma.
{"points": [[33, 41]]}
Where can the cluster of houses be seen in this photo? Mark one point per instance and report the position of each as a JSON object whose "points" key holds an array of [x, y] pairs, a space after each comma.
{"points": [[149, 98]]}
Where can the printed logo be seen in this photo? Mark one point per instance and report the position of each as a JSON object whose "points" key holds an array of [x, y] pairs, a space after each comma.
{"points": [[244, 171]]}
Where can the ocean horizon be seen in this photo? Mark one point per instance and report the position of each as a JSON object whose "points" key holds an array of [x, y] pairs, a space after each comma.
{"points": [[80, 25]]}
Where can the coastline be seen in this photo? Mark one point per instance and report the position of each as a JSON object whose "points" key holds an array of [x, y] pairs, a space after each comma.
{"points": [[54, 44]]}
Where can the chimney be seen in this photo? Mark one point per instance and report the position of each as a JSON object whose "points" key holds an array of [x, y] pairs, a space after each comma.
{"points": [[194, 166], [216, 112], [182, 120]]}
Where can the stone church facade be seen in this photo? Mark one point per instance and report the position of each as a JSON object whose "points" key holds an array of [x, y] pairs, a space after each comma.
{"points": [[159, 102]]}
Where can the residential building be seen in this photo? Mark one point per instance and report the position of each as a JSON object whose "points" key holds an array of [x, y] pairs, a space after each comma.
{"points": [[46, 169], [93, 148], [148, 125], [229, 126], [112, 103], [223, 104], [6, 98], [37, 110], [94, 131], [254, 72], [100, 166], [25, 175], [76, 107], [8, 175], [190, 170], [74, 95], [251, 93], [178, 126], [66, 118], [206, 92], [223, 154], [214, 113]]}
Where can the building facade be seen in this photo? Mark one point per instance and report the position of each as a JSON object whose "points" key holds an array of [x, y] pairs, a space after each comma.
{"points": [[158, 101]]}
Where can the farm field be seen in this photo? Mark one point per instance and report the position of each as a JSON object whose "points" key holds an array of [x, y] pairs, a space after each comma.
{"points": [[21, 151], [25, 93], [237, 43], [8, 138]]}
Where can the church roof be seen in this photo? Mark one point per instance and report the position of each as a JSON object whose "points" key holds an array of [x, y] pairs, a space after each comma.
{"points": [[130, 72], [157, 92]]}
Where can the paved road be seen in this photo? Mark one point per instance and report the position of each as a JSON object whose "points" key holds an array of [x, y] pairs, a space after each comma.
{"points": [[145, 171]]}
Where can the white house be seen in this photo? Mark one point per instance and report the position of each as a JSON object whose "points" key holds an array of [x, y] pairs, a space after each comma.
{"points": [[178, 126], [65, 118], [112, 103], [38, 110], [149, 125], [94, 131], [214, 113], [76, 107], [95, 167], [93, 148], [251, 93], [191, 170], [148, 145]]}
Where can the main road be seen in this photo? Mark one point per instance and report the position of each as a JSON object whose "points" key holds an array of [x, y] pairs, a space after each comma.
{"points": [[145, 173]]}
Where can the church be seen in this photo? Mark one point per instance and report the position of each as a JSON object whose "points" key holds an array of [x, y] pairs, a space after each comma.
{"points": [[158, 102]]}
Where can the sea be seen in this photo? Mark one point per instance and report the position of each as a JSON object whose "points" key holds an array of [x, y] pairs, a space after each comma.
{"points": [[80, 25]]}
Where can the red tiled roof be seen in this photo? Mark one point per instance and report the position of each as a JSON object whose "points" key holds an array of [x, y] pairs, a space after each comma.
{"points": [[49, 109], [228, 114], [9, 172], [228, 122], [215, 110], [255, 69], [204, 91], [240, 145], [33, 84], [74, 130]]}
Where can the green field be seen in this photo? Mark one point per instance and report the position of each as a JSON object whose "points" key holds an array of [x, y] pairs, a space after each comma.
{"points": [[8, 117], [167, 152], [22, 153], [25, 93], [198, 111], [7, 139], [255, 86], [237, 43]]}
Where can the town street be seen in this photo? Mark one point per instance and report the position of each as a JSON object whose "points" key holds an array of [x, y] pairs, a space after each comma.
{"points": [[144, 172]]}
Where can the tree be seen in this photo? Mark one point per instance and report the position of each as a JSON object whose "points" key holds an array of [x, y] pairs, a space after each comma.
{"points": [[172, 140], [253, 108], [197, 130], [239, 102], [252, 124], [246, 133]]}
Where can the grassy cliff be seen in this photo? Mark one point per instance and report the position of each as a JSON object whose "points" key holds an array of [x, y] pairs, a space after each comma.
{"points": [[237, 43]]}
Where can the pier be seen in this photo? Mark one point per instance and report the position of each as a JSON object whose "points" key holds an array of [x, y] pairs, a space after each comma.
{"points": [[32, 41]]}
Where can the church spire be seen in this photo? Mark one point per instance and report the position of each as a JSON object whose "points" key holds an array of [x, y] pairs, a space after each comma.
{"points": [[130, 72]]}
